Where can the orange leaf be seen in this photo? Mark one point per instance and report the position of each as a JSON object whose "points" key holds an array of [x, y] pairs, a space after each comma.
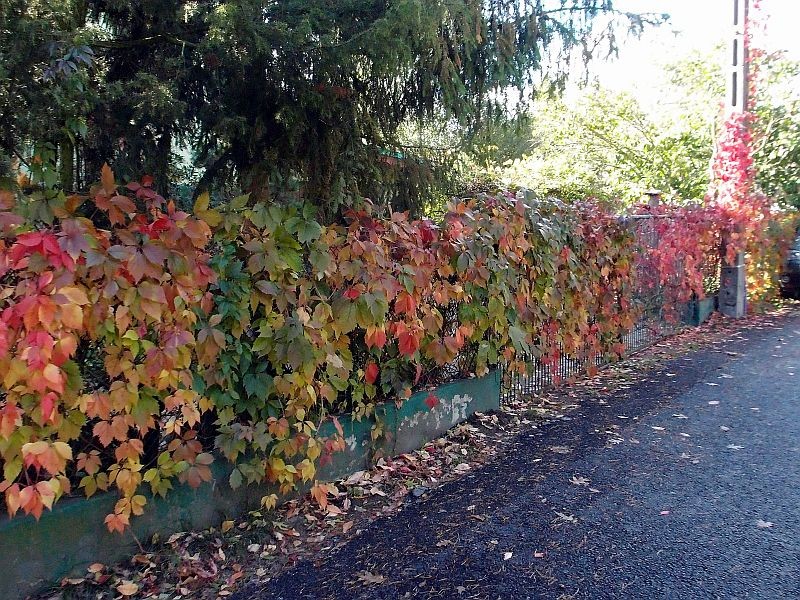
{"points": [[107, 180], [320, 493], [117, 522]]}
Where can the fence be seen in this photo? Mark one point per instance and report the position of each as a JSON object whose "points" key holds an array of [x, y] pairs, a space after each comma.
{"points": [[651, 326]]}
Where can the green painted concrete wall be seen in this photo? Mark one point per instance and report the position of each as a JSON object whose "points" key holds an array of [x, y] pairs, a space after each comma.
{"points": [[698, 312], [72, 536]]}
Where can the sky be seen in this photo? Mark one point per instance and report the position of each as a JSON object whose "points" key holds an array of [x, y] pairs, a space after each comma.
{"points": [[694, 24]]}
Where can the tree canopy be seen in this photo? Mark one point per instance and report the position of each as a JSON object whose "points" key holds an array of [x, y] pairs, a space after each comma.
{"points": [[275, 96], [612, 146]]}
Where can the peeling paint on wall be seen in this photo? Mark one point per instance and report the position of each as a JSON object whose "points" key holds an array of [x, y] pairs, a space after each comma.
{"points": [[448, 412]]}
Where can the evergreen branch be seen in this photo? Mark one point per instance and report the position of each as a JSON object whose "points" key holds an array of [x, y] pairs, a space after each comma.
{"points": [[147, 41]]}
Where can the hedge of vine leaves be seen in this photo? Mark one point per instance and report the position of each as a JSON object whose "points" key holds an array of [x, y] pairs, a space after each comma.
{"points": [[233, 335]]}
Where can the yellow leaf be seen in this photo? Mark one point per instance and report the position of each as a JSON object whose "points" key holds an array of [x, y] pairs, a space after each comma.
{"points": [[226, 526], [74, 294], [137, 504], [307, 470], [269, 502], [201, 210], [63, 450], [201, 204], [212, 217], [16, 372]]}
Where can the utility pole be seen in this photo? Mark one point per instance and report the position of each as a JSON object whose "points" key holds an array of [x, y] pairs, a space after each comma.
{"points": [[738, 86], [733, 284]]}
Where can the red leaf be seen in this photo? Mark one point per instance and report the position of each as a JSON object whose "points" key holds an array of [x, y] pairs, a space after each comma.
{"points": [[371, 374], [352, 294], [408, 343], [376, 336], [405, 303], [47, 406], [431, 401]]}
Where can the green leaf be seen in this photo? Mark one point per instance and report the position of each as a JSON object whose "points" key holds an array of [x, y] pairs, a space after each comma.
{"points": [[518, 337], [346, 314], [12, 469], [320, 261], [309, 231], [240, 202], [235, 480]]}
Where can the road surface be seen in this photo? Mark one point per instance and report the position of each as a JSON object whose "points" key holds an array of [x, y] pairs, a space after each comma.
{"points": [[685, 485]]}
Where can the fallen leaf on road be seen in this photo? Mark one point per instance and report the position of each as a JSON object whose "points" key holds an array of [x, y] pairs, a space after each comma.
{"points": [[356, 477], [711, 384], [347, 526], [654, 428], [762, 524], [368, 578], [507, 555], [128, 588], [734, 447], [578, 480], [538, 554], [566, 518], [664, 513], [226, 526], [723, 428], [713, 402], [680, 416]]}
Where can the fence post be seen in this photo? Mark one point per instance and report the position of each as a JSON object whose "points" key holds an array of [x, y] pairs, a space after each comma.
{"points": [[653, 198], [733, 285]]}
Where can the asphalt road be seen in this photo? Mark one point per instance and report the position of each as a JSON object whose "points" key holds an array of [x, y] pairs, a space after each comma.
{"points": [[685, 485]]}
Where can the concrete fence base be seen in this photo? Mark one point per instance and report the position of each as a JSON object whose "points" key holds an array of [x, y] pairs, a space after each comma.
{"points": [[698, 312], [72, 536]]}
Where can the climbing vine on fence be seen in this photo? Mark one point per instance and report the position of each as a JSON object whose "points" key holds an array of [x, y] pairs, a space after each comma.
{"points": [[122, 268], [235, 333], [315, 320], [242, 345]]}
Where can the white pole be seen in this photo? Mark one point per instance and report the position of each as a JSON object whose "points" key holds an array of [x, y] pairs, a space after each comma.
{"points": [[738, 87]]}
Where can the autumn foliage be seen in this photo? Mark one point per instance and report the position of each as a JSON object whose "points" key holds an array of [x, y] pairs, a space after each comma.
{"points": [[132, 286], [237, 332]]}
